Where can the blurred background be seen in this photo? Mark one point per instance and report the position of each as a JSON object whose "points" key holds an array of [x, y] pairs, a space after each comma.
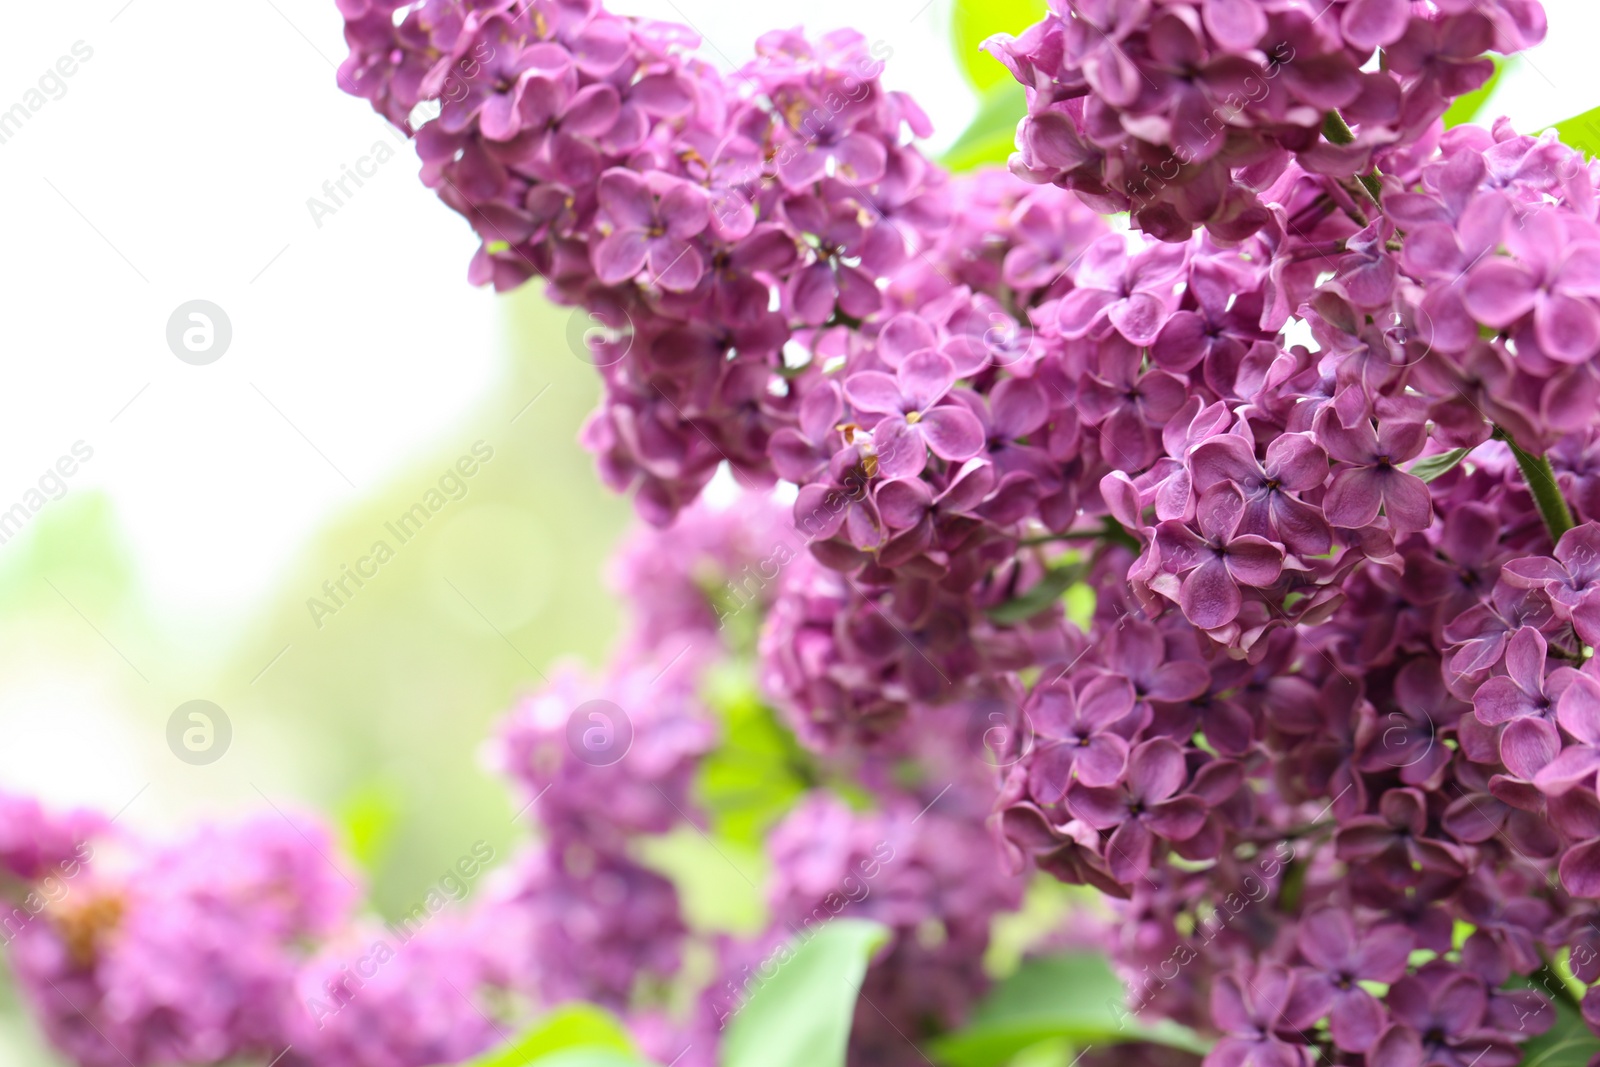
{"points": [[208, 503]]}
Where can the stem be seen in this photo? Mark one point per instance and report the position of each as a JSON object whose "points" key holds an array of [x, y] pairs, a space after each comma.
{"points": [[1072, 535], [1541, 480], [1112, 533], [1337, 131]]}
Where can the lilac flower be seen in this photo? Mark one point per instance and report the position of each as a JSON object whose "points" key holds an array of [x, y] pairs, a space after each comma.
{"points": [[923, 520], [1393, 843], [1575, 815], [1447, 58], [1482, 633], [1223, 324], [1571, 580], [188, 954], [388, 1000], [1409, 738], [1553, 276], [1294, 464], [1521, 690], [1146, 806], [800, 453], [1077, 742], [1440, 1019], [1217, 560], [1131, 294], [915, 419], [1196, 85], [1578, 712], [845, 502], [1249, 1010], [1129, 404], [1461, 569], [1339, 959], [1137, 651], [583, 924], [1050, 240], [641, 788], [1371, 479], [831, 149], [35, 843], [650, 227]]}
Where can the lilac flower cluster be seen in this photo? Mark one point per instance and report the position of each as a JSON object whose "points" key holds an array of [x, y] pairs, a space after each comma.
{"points": [[694, 213], [1318, 440], [1187, 113], [185, 952]]}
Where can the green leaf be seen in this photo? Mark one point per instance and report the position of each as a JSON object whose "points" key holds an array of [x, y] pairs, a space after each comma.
{"points": [[1568, 1043], [1466, 108], [1045, 592], [1581, 132], [1073, 997], [800, 1017], [368, 819], [973, 23], [1429, 468], [992, 135], [580, 1028], [757, 772]]}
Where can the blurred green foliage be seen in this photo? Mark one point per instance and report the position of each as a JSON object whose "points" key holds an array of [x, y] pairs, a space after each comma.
{"points": [[989, 138], [1071, 999], [396, 693], [378, 717], [973, 23], [575, 1026], [1582, 132]]}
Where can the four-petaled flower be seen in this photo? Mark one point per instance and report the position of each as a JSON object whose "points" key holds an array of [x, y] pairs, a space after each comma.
{"points": [[915, 416], [1218, 559], [1146, 805], [1077, 741], [651, 227], [1370, 478]]}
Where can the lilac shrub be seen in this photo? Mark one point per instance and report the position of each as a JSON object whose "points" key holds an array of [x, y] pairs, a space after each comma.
{"points": [[1316, 437]]}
